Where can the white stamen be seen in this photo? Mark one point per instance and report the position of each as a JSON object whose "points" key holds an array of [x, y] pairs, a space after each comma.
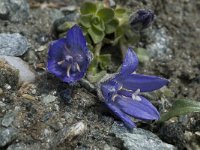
{"points": [[134, 72], [78, 67], [135, 95], [120, 88], [114, 96], [137, 92], [68, 70], [61, 62], [137, 98]]}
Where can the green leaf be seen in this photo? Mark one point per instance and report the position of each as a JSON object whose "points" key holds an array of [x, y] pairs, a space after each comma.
{"points": [[98, 23], [97, 77], [122, 15], [111, 26], [104, 61], [85, 20], [120, 12], [119, 31], [96, 35], [93, 66], [142, 54], [106, 14], [181, 107], [88, 8]]}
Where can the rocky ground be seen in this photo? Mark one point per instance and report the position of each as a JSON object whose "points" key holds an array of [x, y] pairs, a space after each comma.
{"points": [[44, 113]]}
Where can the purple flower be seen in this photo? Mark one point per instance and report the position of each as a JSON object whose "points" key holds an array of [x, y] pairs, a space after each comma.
{"points": [[121, 92], [69, 57], [141, 20]]}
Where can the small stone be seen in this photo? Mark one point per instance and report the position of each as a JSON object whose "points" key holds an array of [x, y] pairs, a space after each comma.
{"points": [[68, 133], [87, 85], [18, 146], [159, 48], [139, 139], [14, 10], [48, 99], [25, 74], [23, 146], [8, 75], [56, 107], [7, 86], [65, 95], [2, 104], [4, 12], [13, 44], [8, 119], [7, 136], [173, 133], [69, 9], [29, 97], [1, 91]]}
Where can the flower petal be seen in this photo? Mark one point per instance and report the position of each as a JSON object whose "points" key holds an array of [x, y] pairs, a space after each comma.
{"points": [[142, 109], [143, 82], [56, 53], [75, 40], [127, 121], [130, 62], [57, 49]]}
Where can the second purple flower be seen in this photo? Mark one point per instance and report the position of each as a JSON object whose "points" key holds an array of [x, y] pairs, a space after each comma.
{"points": [[122, 92], [69, 57]]}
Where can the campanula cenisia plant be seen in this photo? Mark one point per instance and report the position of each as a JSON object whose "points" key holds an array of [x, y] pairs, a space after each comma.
{"points": [[104, 26], [121, 92], [69, 57]]}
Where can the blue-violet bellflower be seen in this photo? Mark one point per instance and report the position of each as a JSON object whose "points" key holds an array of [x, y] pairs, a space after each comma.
{"points": [[121, 92], [69, 57]]}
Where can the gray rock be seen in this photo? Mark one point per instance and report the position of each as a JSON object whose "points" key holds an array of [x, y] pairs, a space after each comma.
{"points": [[160, 45], [46, 99], [22, 146], [7, 135], [17, 146], [13, 44], [139, 139], [4, 11], [68, 133], [8, 119], [25, 74], [14, 10]]}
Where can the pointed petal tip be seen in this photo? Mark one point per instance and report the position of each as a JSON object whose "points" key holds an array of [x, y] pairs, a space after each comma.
{"points": [[130, 62], [124, 117]]}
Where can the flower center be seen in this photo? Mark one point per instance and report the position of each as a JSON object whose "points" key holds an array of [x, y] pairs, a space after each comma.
{"points": [[121, 91], [71, 65]]}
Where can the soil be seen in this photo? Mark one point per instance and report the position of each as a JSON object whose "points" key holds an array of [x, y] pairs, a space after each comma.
{"points": [[181, 20]]}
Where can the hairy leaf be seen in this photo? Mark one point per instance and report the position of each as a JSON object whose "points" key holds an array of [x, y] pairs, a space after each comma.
{"points": [[119, 12], [85, 20], [96, 35], [111, 26], [98, 23], [96, 77], [88, 8], [104, 61], [181, 107], [106, 14]]}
